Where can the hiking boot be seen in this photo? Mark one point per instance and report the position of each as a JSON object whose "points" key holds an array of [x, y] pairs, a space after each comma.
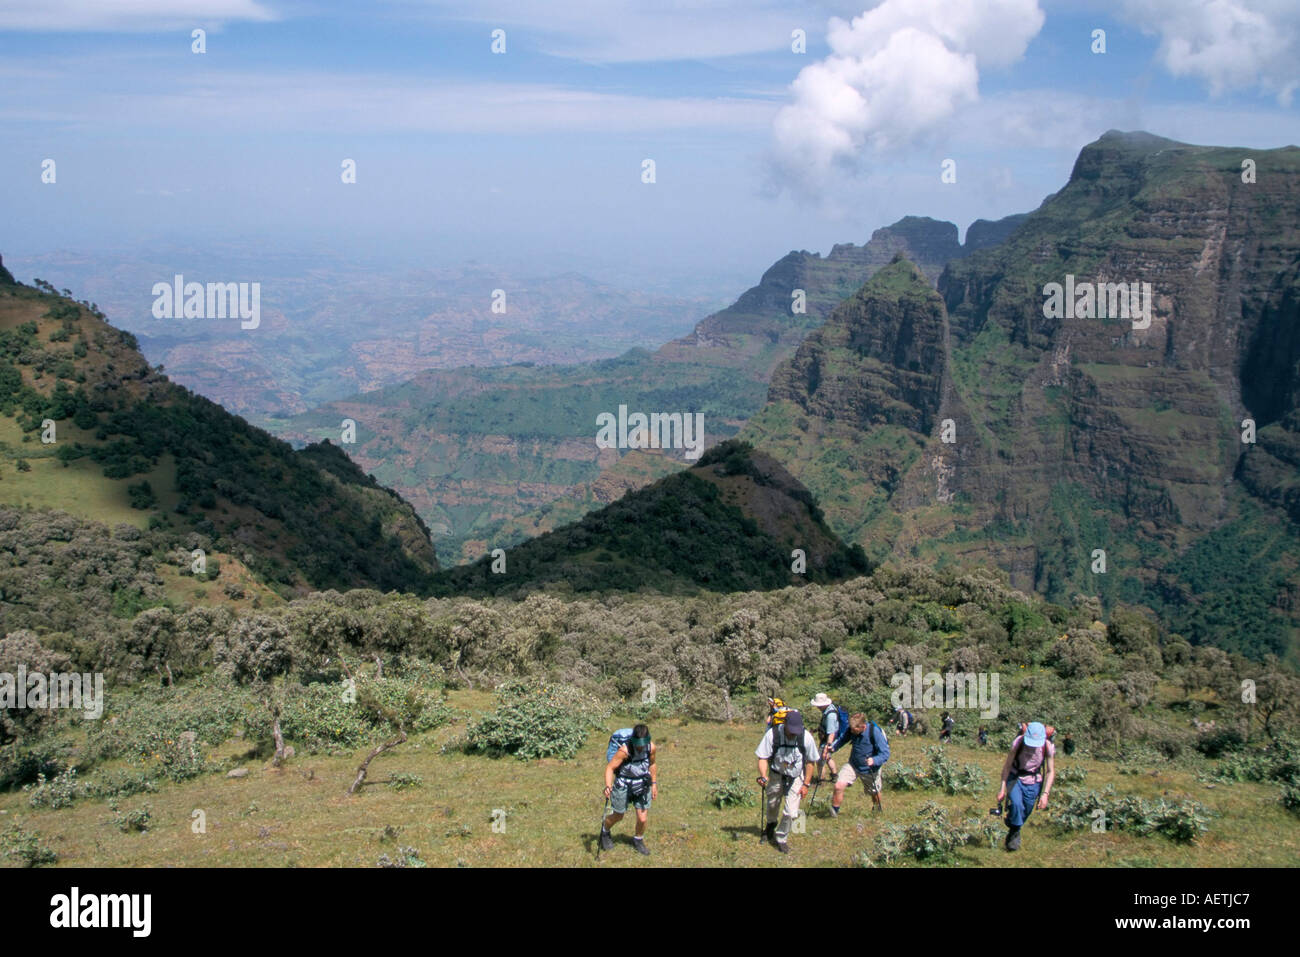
{"points": [[640, 846], [606, 841], [1013, 839], [770, 832], [835, 812], [783, 847]]}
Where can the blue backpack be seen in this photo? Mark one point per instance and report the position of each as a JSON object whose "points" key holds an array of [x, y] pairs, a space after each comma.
{"points": [[617, 740], [842, 714]]}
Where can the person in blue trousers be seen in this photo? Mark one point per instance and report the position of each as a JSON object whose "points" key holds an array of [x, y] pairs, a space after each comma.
{"points": [[1027, 776]]}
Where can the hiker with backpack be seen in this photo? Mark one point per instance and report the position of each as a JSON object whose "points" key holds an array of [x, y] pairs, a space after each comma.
{"points": [[945, 734], [787, 757], [629, 774], [868, 754], [902, 720], [1031, 768], [834, 717]]}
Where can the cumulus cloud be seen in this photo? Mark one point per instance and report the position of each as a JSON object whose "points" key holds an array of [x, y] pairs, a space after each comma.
{"points": [[1229, 44], [895, 74]]}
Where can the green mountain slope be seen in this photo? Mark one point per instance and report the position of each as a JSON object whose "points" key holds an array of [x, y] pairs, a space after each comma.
{"points": [[1072, 435], [129, 446], [732, 522]]}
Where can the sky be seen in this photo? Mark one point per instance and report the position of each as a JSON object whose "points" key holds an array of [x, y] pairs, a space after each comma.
{"points": [[534, 157]]}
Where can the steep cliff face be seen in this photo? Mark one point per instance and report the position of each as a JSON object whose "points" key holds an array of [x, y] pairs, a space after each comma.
{"points": [[1072, 430]]}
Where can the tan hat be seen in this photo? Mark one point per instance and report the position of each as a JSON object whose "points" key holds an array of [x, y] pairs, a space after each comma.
{"points": [[822, 700]]}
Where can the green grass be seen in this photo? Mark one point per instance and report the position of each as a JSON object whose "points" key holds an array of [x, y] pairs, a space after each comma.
{"points": [[80, 487], [300, 815]]}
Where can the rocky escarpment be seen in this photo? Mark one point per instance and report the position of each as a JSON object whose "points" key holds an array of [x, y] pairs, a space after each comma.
{"points": [[1070, 433]]}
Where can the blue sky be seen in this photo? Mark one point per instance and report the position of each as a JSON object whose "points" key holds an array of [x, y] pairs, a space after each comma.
{"points": [[534, 157]]}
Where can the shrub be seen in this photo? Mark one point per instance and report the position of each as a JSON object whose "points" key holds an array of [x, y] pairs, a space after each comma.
{"points": [[119, 783], [942, 774], [934, 838], [1072, 774], [735, 791], [25, 847], [406, 857], [323, 721], [1183, 822], [57, 792], [135, 820], [667, 704], [403, 781], [536, 720]]}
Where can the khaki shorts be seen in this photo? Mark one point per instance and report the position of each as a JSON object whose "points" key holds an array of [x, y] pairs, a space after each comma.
{"points": [[870, 782]]}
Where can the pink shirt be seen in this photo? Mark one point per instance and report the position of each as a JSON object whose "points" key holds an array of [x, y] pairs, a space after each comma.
{"points": [[1028, 765]]}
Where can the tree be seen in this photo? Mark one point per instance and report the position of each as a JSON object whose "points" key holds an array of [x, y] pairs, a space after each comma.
{"points": [[255, 653]]}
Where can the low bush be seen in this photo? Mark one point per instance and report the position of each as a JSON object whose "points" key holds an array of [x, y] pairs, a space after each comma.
{"points": [[942, 773], [536, 720], [735, 791], [934, 838], [24, 848], [1183, 822]]}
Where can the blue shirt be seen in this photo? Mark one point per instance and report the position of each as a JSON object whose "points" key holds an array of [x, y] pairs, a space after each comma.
{"points": [[871, 743]]}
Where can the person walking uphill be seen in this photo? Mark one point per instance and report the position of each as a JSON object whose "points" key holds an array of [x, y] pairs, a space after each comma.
{"points": [[833, 718], [787, 758], [631, 773], [869, 752], [1031, 766]]}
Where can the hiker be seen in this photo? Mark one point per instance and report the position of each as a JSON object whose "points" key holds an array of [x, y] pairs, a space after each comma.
{"points": [[1068, 744], [867, 756], [833, 718], [631, 773], [983, 736], [945, 735], [902, 720], [787, 758], [1031, 766]]}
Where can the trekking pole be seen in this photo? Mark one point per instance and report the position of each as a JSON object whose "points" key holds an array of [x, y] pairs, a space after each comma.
{"points": [[812, 803], [603, 814]]}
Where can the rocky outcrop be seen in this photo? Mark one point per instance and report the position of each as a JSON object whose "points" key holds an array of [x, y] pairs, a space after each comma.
{"points": [[1068, 431]]}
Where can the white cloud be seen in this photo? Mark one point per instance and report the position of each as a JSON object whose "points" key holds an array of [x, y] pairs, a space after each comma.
{"points": [[125, 15], [1229, 44], [896, 74]]}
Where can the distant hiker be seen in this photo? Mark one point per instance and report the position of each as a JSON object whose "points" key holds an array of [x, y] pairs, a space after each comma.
{"points": [[903, 720], [776, 711], [833, 718], [1068, 744], [868, 754], [983, 736], [945, 734], [630, 773], [1031, 767], [787, 758]]}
